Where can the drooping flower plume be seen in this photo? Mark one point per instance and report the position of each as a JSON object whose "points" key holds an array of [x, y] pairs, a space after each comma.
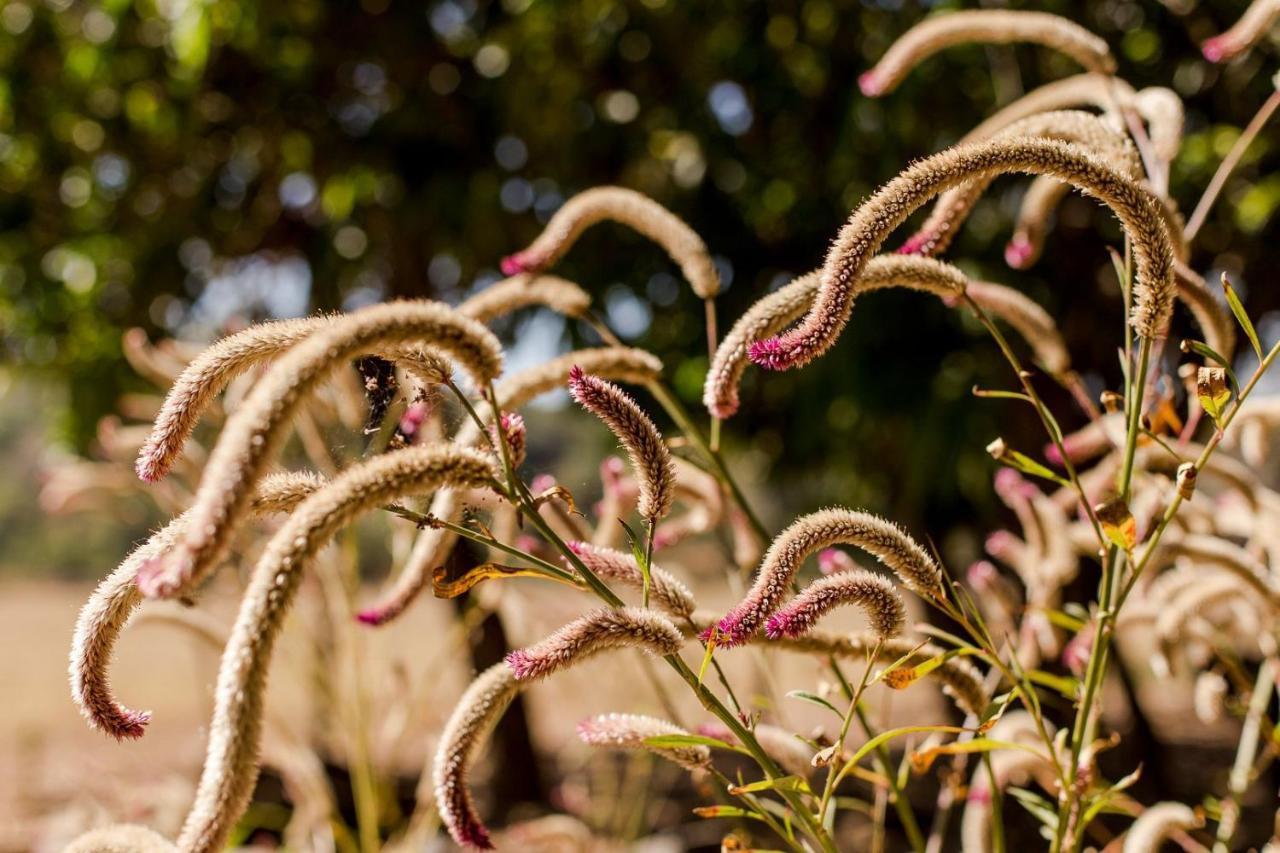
{"points": [[1156, 823], [255, 432], [108, 610], [464, 735], [596, 632], [666, 591], [1256, 21], [868, 227], [874, 593], [230, 770], [629, 731], [984, 26], [810, 533], [650, 458], [632, 209]]}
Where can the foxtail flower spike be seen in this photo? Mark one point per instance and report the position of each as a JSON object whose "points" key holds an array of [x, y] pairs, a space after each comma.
{"points": [[206, 377], [596, 632], [632, 209], [939, 32], [810, 533], [523, 291], [874, 593], [1156, 823], [650, 458], [230, 769], [122, 838], [629, 731], [108, 610], [254, 432], [484, 702], [1101, 136], [469, 727], [772, 313], [667, 592], [869, 226], [620, 364], [1256, 21]]}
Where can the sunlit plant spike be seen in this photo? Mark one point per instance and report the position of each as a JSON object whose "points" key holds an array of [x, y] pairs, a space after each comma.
{"points": [[1241, 316]]}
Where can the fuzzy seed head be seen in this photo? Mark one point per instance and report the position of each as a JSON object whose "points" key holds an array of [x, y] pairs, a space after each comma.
{"points": [[874, 593], [650, 458], [880, 538], [665, 590], [629, 731], [594, 633]]}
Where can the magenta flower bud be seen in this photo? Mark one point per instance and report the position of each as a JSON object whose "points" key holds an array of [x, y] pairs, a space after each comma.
{"points": [[981, 575], [513, 431], [916, 244], [415, 415], [870, 85], [1018, 253], [833, 560], [541, 482], [520, 262]]}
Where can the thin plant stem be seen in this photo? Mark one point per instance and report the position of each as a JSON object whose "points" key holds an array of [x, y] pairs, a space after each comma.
{"points": [[1242, 769], [1228, 165]]}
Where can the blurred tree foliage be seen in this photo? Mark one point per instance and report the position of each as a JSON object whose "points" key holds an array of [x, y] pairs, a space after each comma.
{"points": [[186, 165]]}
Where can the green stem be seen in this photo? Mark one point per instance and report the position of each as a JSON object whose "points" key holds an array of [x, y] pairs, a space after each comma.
{"points": [[1242, 769]]}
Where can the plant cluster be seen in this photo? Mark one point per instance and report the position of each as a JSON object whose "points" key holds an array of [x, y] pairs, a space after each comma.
{"points": [[1181, 534]]}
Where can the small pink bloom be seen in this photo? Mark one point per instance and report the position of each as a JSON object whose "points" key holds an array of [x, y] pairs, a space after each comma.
{"points": [[870, 85], [1018, 252], [916, 243]]}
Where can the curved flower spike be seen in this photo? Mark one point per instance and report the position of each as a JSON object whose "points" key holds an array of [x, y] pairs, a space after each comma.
{"points": [[513, 433], [869, 226], [1256, 21], [650, 458], [629, 731], [254, 433], [632, 209], [206, 377], [621, 364], [667, 592], [230, 769], [1156, 823], [876, 594], [522, 291], [596, 632], [1101, 136], [122, 838], [810, 533], [473, 719], [939, 32], [108, 610], [775, 311]]}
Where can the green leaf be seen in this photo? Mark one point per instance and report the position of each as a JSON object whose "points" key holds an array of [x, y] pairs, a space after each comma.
{"points": [[923, 759], [679, 741], [1041, 809], [1241, 317], [782, 783], [639, 554], [1063, 620], [815, 699], [1064, 685], [885, 737], [726, 811], [1206, 351], [707, 655]]}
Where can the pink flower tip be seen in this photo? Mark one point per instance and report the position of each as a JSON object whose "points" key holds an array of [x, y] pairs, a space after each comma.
{"points": [[472, 834], [373, 616], [833, 560], [915, 244], [781, 625], [1018, 252], [521, 663], [516, 264], [1215, 49], [999, 542], [663, 539], [132, 726], [870, 85], [770, 354], [542, 482], [981, 574], [413, 418], [1052, 454], [161, 576], [727, 633]]}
